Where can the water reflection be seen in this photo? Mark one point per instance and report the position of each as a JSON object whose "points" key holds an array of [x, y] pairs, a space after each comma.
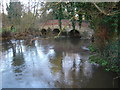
{"points": [[18, 62], [70, 68], [50, 63]]}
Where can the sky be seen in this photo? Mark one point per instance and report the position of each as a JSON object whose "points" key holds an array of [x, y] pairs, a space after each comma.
{"points": [[4, 2]]}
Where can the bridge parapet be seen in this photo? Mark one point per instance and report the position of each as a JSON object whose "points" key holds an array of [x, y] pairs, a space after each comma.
{"points": [[52, 24]]}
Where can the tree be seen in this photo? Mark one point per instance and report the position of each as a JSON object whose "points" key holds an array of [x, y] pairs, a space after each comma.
{"points": [[14, 12]]}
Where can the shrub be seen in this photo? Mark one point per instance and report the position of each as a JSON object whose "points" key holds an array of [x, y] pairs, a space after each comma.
{"points": [[109, 59]]}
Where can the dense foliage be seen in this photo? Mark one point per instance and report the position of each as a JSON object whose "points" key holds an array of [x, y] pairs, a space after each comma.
{"points": [[107, 42]]}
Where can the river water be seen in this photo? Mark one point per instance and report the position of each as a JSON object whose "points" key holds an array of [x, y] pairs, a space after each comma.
{"points": [[58, 63]]}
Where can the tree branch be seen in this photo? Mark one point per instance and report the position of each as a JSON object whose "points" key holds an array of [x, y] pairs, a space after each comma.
{"points": [[102, 11]]}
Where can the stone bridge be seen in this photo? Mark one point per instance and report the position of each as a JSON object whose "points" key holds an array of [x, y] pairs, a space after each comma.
{"points": [[53, 25]]}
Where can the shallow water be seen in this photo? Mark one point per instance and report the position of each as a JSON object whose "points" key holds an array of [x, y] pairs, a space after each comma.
{"points": [[59, 63]]}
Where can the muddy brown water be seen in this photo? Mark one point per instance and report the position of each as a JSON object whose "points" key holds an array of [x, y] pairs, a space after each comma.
{"points": [[59, 63]]}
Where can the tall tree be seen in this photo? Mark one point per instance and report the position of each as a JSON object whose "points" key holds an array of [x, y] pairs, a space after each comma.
{"points": [[14, 12]]}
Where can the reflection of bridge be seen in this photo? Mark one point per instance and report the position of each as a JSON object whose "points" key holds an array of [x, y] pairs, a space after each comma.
{"points": [[53, 25]]}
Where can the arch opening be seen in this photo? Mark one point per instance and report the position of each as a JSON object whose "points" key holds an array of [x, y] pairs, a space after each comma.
{"points": [[56, 31], [44, 31], [74, 33]]}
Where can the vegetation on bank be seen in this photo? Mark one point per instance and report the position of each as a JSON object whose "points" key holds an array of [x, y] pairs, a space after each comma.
{"points": [[106, 45]]}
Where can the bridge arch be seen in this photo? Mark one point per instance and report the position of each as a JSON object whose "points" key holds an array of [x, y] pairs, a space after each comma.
{"points": [[56, 31], [74, 33], [44, 31]]}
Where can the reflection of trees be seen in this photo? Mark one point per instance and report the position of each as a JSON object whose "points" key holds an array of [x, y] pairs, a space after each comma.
{"points": [[6, 45], [18, 57], [18, 61], [74, 70], [70, 65], [58, 64]]}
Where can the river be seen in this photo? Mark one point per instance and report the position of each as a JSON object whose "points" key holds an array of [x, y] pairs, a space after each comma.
{"points": [[58, 63]]}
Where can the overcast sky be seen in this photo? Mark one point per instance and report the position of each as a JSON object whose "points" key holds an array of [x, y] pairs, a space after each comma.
{"points": [[22, 1]]}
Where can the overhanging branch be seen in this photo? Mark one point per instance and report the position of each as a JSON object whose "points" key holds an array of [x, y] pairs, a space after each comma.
{"points": [[102, 11]]}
